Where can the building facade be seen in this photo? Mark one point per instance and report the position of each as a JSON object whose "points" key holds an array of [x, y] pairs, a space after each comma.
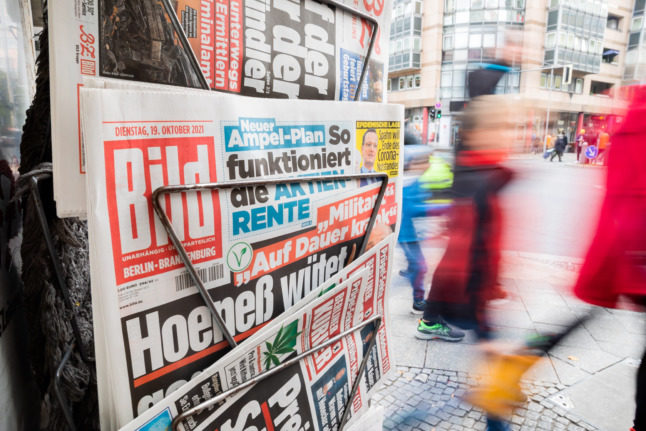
{"points": [[435, 44]]}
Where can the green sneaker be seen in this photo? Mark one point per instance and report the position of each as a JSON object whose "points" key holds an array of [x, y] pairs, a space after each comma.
{"points": [[437, 331]]}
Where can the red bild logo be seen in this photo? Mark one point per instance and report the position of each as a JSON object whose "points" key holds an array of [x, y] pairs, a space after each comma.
{"points": [[134, 168]]}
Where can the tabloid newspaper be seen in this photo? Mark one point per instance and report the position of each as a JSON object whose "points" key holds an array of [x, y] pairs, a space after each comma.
{"points": [[259, 249], [279, 49], [312, 394]]}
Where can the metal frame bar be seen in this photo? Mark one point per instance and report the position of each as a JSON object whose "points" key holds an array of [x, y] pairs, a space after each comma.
{"points": [[183, 255], [377, 320], [335, 3], [59, 392]]}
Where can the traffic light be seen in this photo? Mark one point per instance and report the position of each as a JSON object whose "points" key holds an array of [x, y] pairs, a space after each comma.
{"points": [[438, 114], [431, 113]]}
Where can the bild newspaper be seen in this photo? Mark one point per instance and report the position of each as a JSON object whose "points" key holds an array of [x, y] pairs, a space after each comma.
{"points": [[259, 249], [298, 49]]}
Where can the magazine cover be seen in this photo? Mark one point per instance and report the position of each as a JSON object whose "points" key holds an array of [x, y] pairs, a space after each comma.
{"points": [[258, 248], [282, 49]]}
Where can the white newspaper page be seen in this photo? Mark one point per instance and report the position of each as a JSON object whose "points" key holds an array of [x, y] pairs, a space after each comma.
{"points": [[259, 249], [260, 48], [312, 394]]}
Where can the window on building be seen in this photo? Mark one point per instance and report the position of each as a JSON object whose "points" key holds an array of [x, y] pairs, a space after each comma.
{"points": [[418, 80], [544, 79], [489, 40], [402, 83], [460, 55], [389, 85], [475, 40], [462, 17], [418, 7], [492, 4], [449, 6], [550, 40], [600, 87], [477, 4], [610, 56], [557, 82], [448, 42], [410, 82], [446, 78], [552, 19], [636, 23], [639, 6], [461, 40], [578, 86], [417, 44], [459, 77], [613, 22]]}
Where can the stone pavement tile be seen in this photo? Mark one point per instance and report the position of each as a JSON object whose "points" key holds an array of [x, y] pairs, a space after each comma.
{"points": [[633, 322], [542, 371], [450, 356], [549, 313], [407, 350], [613, 408], [633, 350], [579, 338], [511, 318], [589, 360], [567, 374], [608, 328], [543, 296]]}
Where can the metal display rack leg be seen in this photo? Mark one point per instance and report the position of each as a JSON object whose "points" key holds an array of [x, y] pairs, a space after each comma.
{"points": [[164, 190]]}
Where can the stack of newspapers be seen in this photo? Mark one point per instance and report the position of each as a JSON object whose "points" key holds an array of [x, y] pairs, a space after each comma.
{"points": [[280, 261], [288, 266]]}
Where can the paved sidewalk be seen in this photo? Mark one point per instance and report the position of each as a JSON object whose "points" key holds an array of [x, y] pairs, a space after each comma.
{"points": [[586, 383]]}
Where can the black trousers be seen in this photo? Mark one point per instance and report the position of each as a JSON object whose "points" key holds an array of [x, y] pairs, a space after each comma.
{"points": [[557, 153]]}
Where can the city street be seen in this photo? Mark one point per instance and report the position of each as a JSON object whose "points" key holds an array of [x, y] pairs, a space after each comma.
{"points": [[587, 382]]}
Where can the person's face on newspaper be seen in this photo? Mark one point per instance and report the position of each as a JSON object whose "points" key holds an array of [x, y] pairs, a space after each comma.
{"points": [[369, 149]]}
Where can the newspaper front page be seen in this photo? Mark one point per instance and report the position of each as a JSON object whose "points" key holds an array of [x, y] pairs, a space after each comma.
{"points": [[311, 394], [261, 48], [259, 249]]}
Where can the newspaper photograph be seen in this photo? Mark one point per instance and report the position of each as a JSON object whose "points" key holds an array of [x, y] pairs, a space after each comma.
{"points": [[313, 393], [282, 49], [259, 249]]}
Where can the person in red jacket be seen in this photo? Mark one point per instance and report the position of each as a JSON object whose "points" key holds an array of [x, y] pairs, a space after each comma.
{"points": [[614, 269], [467, 276]]}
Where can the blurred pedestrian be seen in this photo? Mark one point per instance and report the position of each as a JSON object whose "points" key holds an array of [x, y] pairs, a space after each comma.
{"points": [[559, 146], [580, 139], [615, 265], [413, 206], [427, 175], [467, 275]]}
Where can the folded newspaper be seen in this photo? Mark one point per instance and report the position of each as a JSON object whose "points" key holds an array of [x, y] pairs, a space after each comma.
{"points": [[259, 249], [311, 394], [278, 49]]}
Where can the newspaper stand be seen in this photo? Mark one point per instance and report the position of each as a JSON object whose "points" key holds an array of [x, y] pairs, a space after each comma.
{"points": [[29, 183], [161, 191]]}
